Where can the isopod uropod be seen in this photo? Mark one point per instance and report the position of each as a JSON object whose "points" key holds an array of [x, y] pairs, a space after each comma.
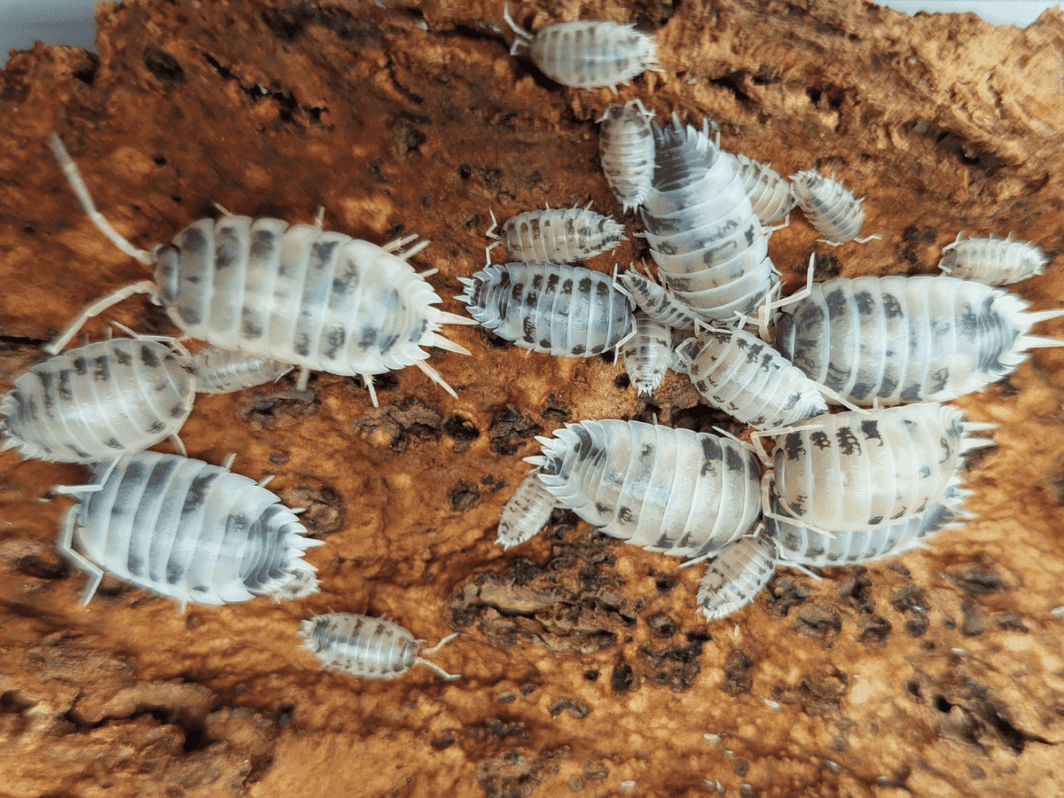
{"points": [[626, 149], [297, 294], [185, 529], [99, 401], [830, 207], [370, 648], [996, 261], [557, 235], [220, 370], [526, 513]]}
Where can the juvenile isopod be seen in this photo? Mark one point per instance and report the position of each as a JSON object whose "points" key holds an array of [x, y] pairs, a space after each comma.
{"points": [[770, 195], [370, 648], [995, 261], [587, 54], [549, 307], [557, 235], [647, 354], [746, 378], [298, 294], [185, 529], [99, 401], [626, 150], [220, 370], [526, 513], [907, 339], [828, 205], [671, 490], [739, 572], [659, 303]]}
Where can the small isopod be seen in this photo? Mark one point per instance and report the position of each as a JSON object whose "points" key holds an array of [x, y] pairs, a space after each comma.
{"points": [[587, 54], [828, 205], [550, 307], [626, 150], [647, 354], [185, 529], [770, 195], [99, 401], [659, 303], [557, 235], [739, 572], [995, 261], [526, 513], [370, 648], [220, 370]]}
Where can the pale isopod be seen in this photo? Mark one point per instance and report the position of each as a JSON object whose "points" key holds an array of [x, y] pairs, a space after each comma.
{"points": [[647, 354], [748, 379], [659, 303], [526, 513], [185, 529], [587, 54], [770, 195], [99, 401], [297, 294], [626, 149], [558, 235], [670, 490], [996, 261], [370, 648], [737, 575], [220, 370], [828, 205], [549, 307], [907, 339]]}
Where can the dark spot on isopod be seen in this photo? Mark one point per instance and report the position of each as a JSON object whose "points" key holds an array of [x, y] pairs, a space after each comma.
{"points": [[81, 366], [163, 65]]}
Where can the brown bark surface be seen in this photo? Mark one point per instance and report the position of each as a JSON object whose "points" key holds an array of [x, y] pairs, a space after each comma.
{"points": [[585, 668]]}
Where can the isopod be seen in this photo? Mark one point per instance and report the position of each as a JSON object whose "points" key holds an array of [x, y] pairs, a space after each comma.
{"points": [[828, 205], [99, 401], [670, 490], [860, 470], [770, 195], [996, 261], [907, 339], [647, 354], [557, 235], [526, 513], [659, 303], [370, 648], [626, 150], [549, 307], [186, 529], [746, 378], [739, 572], [587, 54], [711, 249], [220, 370], [298, 294]]}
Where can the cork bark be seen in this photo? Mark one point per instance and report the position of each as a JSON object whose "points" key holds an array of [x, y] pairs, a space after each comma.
{"points": [[585, 667]]}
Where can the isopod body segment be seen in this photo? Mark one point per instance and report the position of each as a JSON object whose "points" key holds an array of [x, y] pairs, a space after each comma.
{"points": [[828, 205], [626, 150], [370, 648], [559, 235], [995, 261], [769, 193]]}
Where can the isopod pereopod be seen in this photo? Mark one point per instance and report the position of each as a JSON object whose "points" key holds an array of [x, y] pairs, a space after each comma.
{"points": [[737, 574], [370, 648], [557, 235], [220, 370], [828, 205], [996, 261], [626, 150], [526, 513]]}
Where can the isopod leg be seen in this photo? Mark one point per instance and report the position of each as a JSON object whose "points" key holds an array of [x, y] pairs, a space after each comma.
{"points": [[65, 545], [178, 445], [304, 378], [368, 380], [97, 307]]}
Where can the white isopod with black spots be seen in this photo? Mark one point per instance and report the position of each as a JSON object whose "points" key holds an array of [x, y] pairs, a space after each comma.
{"points": [[626, 150], [995, 261], [737, 575], [860, 470], [185, 529], [550, 307], [748, 379], [557, 235], [658, 302], [671, 490], [907, 339], [370, 648], [587, 54], [99, 401], [828, 205], [769, 193], [220, 370], [298, 294], [526, 513], [647, 354]]}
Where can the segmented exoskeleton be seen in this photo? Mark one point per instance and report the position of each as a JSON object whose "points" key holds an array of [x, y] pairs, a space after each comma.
{"points": [[220, 370], [828, 205], [737, 574], [769, 193], [526, 513], [647, 354], [659, 303], [626, 150], [557, 235], [995, 261]]}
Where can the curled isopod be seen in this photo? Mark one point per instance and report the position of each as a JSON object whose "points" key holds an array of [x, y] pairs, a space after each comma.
{"points": [[907, 339], [748, 379], [659, 303], [626, 150], [298, 294], [220, 370], [558, 235], [670, 490], [647, 354], [99, 401], [860, 470], [737, 574], [769, 193], [549, 307], [587, 54], [370, 648], [828, 205], [185, 529], [526, 513], [996, 261]]}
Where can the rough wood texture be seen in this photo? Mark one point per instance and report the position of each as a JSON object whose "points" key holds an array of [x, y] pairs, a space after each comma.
{"points": [[585, 666]]}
